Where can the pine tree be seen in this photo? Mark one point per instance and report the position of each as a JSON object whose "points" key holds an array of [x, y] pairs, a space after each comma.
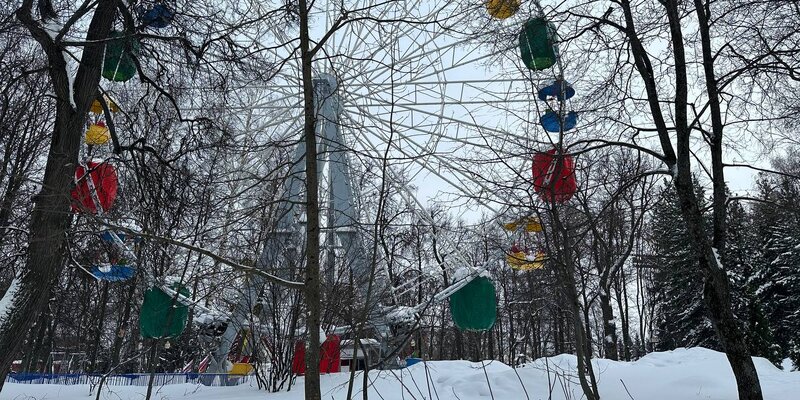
{"points": [[680, 311], [777, 279], [741, 259]]}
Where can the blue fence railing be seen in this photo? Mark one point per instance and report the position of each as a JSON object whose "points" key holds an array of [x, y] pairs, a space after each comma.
{"points": [[129, 379]]}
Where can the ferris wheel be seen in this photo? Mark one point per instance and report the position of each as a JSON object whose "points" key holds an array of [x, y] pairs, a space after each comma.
{"points": [[433, 86], [413, 82], [419, 83], [424, 85]]}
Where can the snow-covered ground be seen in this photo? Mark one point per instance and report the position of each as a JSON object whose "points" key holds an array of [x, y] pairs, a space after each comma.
{"points": [[681, 374]]}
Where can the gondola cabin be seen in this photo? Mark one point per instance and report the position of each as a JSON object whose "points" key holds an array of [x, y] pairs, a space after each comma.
{"points": [[502, 9], [104, 182], [554, 176], [538, 44], [119, 63], [97, 134]]}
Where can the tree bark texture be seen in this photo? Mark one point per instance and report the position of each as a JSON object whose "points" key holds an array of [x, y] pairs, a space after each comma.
{"points": [[565, 268], [609, 327], [312, 278], [51, 216], [716, 291]]}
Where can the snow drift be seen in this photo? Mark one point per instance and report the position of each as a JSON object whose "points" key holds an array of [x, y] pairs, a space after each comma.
{"points": [[684, 374]]}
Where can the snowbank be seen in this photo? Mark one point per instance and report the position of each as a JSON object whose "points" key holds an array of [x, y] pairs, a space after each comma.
{"points": [[684, 374]]}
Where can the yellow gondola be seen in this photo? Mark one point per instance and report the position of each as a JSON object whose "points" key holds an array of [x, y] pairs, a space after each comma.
{"points": [[97, 108], [519, 260], [532, 224], [502, 9], [97, 134], [241, 369], [516, 259]]}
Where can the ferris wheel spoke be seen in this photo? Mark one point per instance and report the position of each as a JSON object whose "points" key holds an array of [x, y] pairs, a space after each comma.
{"points": [[400, 30], [448, 82], [413, 143], [289, 120], [419, 159], [413, 88], [446, 100], [461, 63], [381, 124], [438, 49], [473, 125], [432, 38], [423, 152], [352, 34], [416, 104]]}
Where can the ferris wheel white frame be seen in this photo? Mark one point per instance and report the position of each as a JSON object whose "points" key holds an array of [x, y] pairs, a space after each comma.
{"points": [[370, 117]]}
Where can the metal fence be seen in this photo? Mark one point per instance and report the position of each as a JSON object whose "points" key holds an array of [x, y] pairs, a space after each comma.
{"points": [[130, 379]]}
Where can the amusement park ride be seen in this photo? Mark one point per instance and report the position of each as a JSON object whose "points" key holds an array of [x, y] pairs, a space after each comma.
{"points": [[471, 294]]}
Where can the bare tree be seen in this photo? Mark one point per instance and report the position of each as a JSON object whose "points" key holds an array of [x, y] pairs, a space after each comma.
{"points": [[717, 36], [74, 91]]}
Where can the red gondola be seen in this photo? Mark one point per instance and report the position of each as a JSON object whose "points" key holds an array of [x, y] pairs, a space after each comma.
{"points": [[299, 358], [554, 176], [329, 356], [104, 180]]}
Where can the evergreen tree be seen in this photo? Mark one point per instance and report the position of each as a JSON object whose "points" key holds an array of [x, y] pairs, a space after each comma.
{"points": [[777, 279], [741, 259], [680, 312]]}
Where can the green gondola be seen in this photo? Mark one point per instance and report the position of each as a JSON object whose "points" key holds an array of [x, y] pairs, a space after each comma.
{"points": [[118, 62], [474, 307], [538, 44], [159, 318]]}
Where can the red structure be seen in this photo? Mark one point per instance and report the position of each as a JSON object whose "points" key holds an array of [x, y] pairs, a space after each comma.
{"points": [[554, 176], [299, 358], [330, 356], [104, 179]]}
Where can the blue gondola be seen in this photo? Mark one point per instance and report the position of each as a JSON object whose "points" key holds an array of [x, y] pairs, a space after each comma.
{"points": [[552, 123], [411, 361], [113, 273], [555, 90], [107, 237], [158, 17]]}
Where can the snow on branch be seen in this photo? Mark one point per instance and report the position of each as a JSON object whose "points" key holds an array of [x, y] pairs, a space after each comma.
{"points": [[210, 254], [8, 299]]}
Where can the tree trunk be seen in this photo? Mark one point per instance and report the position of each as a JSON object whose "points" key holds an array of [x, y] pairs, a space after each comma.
{"points": [[31, 360], [16, 178], [565, 268], [51, 218], [95, 346], [584, 360], [51, 333], [49, 221], [558, 332], [624, 314], [609, 326], [442, 330], [459, 344], [716, 295], [152, 362], [312, 284], [716, 292], [122, 323]]}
